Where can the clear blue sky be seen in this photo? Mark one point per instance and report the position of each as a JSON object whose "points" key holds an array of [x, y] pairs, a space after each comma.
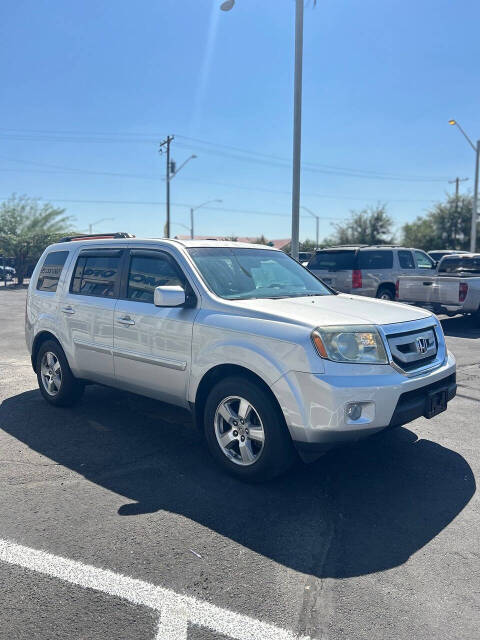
{"points": [[94, 85]]}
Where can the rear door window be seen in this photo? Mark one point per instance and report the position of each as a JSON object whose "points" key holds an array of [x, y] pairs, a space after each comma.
{"points": [[51, 270], [373, 260], [405, 259], [333, 260], [97, 275]]}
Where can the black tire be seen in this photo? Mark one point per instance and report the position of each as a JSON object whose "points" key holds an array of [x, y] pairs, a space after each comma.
{"points": [[386, 292], [68, 390], [277, 454]]}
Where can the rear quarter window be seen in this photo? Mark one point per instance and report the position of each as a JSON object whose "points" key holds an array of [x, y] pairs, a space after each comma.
{"points": [[332, 260], [51, 271], [375, 259]]}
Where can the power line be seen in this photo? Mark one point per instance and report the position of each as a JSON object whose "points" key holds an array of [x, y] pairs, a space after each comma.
{"points": [[62, 169], [262, 158], [176, 204]]}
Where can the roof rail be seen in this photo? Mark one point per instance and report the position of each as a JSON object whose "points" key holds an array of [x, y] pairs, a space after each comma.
{"points": [[97, 236]]}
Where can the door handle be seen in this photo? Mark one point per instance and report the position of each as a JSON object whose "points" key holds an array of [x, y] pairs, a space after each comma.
{"points": [[427, 284], [68, 310], [126, 320]]}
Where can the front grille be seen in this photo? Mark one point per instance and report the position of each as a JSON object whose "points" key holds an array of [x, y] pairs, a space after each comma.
{"points": [[413, 349]]}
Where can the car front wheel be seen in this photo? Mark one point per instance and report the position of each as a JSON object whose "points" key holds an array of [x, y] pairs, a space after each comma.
{"points": [[246, 432]]}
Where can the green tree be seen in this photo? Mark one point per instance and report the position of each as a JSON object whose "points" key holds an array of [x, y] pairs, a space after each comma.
{"points": [[371, 225], [446, 226], [260, 240], [26, 228]]}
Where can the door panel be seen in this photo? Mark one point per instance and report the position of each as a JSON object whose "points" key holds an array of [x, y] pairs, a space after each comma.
{"points": [[86, 314], [152, 345]]}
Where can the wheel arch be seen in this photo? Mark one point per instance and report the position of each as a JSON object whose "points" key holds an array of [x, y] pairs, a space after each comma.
{"points": [[220, 372], [386, 285], [39, 339]]}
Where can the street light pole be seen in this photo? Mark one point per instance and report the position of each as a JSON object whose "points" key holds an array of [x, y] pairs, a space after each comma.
{"points": [[317, 218], [227, 5], [473, 237], [92, 224], [297, 127], [476, 148], [192, 209]]}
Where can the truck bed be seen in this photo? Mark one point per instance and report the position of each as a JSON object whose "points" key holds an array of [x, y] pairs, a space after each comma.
{"points": [[460, 293]]}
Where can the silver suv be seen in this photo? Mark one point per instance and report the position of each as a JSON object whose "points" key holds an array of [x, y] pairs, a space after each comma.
{"points": [[369, 270], [268, 358]]}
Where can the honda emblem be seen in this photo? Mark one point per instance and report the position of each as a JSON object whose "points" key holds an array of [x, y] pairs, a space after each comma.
{"points": [[422, 345]]}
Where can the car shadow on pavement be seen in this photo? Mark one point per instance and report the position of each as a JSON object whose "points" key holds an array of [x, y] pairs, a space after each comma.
{"points": [[461, 327], [358, 510]]}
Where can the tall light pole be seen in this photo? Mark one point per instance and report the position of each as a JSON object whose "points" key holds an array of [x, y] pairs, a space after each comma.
{"points": [[92, 224], [317, 218], [193, 209], [476, 148], [297, 119]]}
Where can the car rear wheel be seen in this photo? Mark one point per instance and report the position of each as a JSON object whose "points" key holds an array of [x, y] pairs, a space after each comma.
{"points": [[56, 381], [246, 432], [386, 293]]}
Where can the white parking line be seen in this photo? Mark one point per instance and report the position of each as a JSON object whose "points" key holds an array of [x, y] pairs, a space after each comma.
{"points": [[176, 610]]}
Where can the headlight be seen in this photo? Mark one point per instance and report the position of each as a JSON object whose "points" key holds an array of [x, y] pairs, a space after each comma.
{"points": [[355, 344]]}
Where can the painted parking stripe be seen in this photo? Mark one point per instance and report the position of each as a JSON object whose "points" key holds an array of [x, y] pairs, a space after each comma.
{"points": [[176, 611]]}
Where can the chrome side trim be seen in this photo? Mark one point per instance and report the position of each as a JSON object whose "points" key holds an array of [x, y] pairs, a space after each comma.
{"points": [[179, 365], [92, 346]]}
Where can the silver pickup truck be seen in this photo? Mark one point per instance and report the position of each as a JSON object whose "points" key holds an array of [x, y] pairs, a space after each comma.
{"points": [[453, 289]]}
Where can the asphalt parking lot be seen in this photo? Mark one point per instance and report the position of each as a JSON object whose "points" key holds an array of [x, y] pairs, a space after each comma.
{"points": [[377, 540]]}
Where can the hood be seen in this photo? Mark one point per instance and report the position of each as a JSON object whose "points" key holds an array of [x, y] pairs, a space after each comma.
{"points": [[341, 309]]}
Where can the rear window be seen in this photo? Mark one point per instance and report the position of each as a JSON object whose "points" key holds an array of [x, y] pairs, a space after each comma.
{"points": [[456, 264], [375, 259], [333, 260], [51, 271]]}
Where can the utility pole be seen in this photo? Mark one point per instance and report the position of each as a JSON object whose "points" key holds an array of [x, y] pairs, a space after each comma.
{"points": [[166, 143], [192, 234]]}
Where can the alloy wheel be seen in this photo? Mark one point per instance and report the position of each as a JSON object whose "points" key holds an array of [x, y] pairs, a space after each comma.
{"points": [[51, 373], [239, 430]]}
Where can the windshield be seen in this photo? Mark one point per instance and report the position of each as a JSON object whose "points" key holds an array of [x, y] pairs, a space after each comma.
{"points": [[237, 274]]}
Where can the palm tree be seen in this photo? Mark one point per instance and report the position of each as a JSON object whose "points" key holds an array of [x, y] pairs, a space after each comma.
{"points": [[26, 228]]}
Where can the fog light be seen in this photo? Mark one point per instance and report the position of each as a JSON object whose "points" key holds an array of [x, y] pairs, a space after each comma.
{"points": [[354, 411]]}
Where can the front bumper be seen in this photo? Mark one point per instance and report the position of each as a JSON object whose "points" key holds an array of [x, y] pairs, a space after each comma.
{"points": [[314, 404]]}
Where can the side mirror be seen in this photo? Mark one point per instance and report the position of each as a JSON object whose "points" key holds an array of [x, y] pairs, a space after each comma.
{"points": [[169, 296]]}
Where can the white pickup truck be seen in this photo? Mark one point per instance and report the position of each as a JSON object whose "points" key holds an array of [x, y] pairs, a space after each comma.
{"points": [[453, 289]]}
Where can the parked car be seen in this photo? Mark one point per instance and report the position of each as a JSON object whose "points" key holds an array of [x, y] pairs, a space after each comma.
{"points": [[269, 360], [6, 273], [368, 270], [454, 289], [438, 254]]}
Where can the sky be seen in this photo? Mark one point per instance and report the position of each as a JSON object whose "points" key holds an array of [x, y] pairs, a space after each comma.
{"points": [[90, 89]]}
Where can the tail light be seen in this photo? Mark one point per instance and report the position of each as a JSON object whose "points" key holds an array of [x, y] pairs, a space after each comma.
{"points": [[397, 289], [356, 279], [462, 291]]}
